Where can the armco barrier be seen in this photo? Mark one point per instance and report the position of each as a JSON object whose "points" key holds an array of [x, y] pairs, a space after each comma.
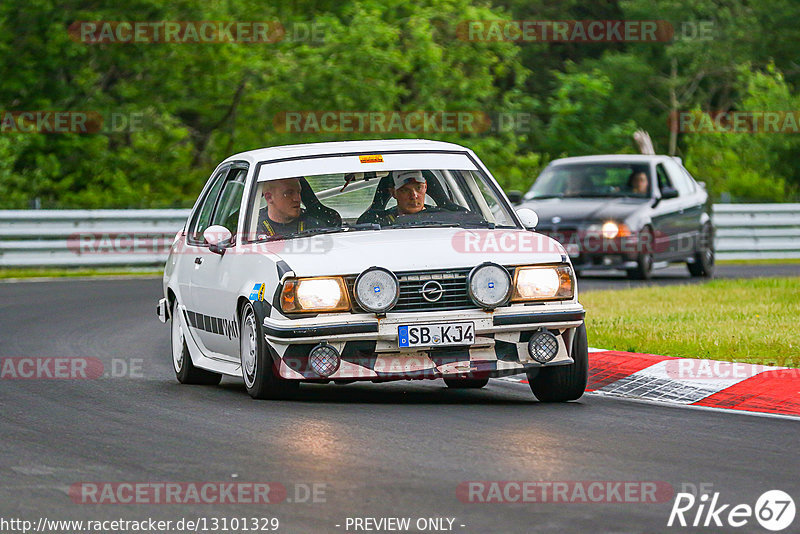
{"points": [[757, 231], [86, 238]]}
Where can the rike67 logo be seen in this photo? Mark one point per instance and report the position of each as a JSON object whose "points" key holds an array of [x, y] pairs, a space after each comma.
{"points": [[774, 510]]}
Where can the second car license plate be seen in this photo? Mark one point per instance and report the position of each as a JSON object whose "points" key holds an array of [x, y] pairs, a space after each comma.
{"points": [[436, 335]]}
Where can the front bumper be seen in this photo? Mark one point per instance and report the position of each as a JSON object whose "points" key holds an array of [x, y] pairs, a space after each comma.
{"points": [[368, 345]]}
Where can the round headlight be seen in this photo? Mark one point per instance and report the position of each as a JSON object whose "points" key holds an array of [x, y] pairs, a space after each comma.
{"points": [[377, 290], [489, 285], [610, 230]]}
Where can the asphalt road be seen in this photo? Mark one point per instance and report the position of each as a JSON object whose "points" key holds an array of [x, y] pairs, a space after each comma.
{"points": [[679, 274], [376, 450]]}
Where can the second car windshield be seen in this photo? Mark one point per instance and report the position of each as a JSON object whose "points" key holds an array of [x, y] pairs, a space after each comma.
{"points": [[592, 180], [302, 205]]}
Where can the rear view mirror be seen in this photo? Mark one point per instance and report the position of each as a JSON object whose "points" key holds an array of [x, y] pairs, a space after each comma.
{"points": [[528, 218], [217, 237], [669, 192], [515, 197]]}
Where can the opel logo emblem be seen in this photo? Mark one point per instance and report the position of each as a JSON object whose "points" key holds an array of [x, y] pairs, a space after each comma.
{"points": [[432, 291], [556, 219]]}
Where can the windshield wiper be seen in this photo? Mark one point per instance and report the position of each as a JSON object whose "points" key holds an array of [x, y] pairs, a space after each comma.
{"points": [[426, 224], [363, 226], [540, 197]]}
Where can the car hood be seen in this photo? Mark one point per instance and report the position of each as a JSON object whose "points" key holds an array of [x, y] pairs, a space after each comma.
{"points": [[416, 249], [578, 210]]}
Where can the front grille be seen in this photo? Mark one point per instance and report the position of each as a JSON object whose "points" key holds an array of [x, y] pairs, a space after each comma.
{"points": [[453, 282]]}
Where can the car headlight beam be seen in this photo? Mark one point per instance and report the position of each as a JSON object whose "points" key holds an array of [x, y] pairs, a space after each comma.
{"points": [[552, 282], [323, 294], [610, 230]]}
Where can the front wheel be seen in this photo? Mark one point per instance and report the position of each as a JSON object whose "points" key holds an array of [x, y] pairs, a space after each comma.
{"points": [[259, 371], [185, 371], [564, 382], [644, 260], [703, 265]]}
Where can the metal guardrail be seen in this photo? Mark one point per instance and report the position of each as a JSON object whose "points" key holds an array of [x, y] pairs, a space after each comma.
{"points": [[757, 231], [89, 238]]}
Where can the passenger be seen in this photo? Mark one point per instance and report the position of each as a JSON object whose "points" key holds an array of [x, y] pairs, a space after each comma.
{"points": [[576, 185], [283, 215]]}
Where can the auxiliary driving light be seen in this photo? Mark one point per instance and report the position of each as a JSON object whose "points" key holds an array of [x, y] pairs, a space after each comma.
{"points": [[376, 290], [543, 346], [324, 360], [489, 285]]}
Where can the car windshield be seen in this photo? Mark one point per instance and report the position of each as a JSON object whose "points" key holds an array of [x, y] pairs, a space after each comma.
{"points": [[592, 180], [375, 200]]}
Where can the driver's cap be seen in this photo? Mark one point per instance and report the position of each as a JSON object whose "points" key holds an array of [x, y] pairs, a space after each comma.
{"points": [[402, 177]]}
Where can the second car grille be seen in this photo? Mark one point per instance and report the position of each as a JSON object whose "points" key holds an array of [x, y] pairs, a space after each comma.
{"points": [[453, 284], [562, 235]]}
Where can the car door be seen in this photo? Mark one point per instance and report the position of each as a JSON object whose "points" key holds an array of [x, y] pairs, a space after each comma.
{"points": [[692, 207], [214, 287], [195, 247], [666, 218]]}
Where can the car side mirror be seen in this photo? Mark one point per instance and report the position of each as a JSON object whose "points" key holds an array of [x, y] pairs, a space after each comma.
{"points": [[515, 197], [528, 218], [218, 237], [668, 192]]}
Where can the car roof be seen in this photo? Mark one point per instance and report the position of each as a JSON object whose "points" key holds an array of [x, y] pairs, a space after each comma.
{"points": [[610, 158], [339, 147]]}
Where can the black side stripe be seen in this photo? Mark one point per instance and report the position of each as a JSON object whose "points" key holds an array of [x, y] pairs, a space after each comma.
{"points": [[216, 325]]}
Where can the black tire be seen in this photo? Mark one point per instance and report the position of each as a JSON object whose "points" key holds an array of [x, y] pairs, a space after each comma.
{"points": [[185, 371], [564, 382], [644, 260], [703, 265], [466, 383], [259, 370]]}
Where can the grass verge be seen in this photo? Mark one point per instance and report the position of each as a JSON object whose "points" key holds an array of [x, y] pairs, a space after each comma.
{"points": [[23, 273], [751, 321]]}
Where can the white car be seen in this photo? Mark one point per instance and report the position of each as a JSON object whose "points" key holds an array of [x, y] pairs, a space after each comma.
{"points": [[369, 261]]}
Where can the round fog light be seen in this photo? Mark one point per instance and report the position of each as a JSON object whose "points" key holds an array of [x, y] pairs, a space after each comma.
{"points": [[324, 360], [543, 346]]}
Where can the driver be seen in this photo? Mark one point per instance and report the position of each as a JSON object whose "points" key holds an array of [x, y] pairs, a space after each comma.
{"points": [[638, 183], [283, 214], [409, 191]]}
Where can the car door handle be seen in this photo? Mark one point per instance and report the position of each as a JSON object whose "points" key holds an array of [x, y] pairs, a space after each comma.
{"points": [[198, 260]]}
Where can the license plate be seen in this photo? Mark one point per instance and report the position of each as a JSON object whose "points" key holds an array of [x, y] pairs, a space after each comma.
{"points": [[436, 335], [573, 250]]}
